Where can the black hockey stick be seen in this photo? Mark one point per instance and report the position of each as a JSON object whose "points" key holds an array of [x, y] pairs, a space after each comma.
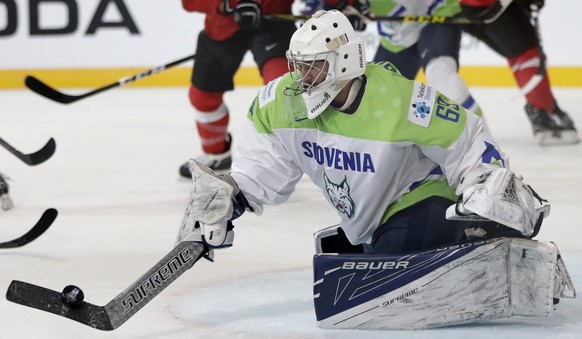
{"points": [[487, 17], [35, 158], [36, 231], [122, 307], [46, 91]]}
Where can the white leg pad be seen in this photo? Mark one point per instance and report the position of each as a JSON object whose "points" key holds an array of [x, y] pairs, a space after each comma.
{"points": [[537, 275], [496, 279]]}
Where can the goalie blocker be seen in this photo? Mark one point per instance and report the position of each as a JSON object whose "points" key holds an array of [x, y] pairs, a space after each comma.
{"points": [[464, 283]]}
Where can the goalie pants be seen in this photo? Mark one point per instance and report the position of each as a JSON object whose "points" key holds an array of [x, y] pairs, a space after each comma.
{"points": [[418, 227], [423, 226]]}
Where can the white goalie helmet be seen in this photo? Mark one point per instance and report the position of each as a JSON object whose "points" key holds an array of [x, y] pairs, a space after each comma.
{"points": [[327, 36]]}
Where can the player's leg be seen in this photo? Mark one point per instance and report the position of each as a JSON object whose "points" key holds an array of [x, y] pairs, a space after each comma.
{"points": [[212, 75], [513, 36], [269, 46], [438, 46]]}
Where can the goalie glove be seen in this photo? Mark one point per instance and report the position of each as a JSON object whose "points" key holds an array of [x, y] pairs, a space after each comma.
{"points": [[474, 176], [215, 236], [214, 201], [214, 198], [219, 235], [498, 195]]}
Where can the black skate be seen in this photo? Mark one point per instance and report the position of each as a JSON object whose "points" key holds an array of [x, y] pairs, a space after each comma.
{"points": [[552, 129], [219, 163]]}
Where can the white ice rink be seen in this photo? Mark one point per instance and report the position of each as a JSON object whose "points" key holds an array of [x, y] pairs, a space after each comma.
{"points": [[115, 183]]}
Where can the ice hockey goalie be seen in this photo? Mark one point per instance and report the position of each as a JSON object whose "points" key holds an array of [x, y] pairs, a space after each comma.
{"points": [[465, 283]]}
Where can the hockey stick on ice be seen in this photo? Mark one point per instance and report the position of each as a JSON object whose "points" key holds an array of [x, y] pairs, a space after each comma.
{"points": [[122, 307], [46, 91], [36, 231], [488, 17], [35, 158]]}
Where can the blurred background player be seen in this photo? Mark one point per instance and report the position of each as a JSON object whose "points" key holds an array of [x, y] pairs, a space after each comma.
{"points": [[408, 45], [231, 28], [5, 201], [411, 45], [513, 36]]}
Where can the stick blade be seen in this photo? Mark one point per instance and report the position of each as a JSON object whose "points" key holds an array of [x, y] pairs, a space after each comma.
{"points": [[47, 300], [36, 231], [35, 158], [42, 154], [48, 92]]}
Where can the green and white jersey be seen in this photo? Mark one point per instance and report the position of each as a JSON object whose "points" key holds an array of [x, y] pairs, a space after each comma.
{"points": [[403, 142], [396, 36]]}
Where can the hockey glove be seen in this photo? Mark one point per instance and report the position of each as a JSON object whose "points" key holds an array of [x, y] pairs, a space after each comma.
{"points": [[247, 15], [219, 235], [474, 176], [213, 201], [501, 196], [215, 236], [357, 11], [214, 198]]}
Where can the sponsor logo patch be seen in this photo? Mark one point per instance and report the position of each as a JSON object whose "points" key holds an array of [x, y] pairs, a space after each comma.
{"points": [[267, 92], [421, 104]]}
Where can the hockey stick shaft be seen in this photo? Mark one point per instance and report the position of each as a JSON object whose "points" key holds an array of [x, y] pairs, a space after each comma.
{"points": [[36, 231], [427, 19], [154, 281], [51, 93], [34, 158], [486, 18]]}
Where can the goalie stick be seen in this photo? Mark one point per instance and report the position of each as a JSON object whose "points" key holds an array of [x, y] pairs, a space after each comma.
{"points": [[123, 306], [35, 158], [36, 231], [49, 92]]}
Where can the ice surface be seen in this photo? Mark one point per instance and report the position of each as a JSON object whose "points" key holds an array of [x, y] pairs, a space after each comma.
{"points": [[114, 180]]}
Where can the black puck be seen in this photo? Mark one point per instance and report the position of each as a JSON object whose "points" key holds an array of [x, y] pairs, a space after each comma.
{"points": [[72, 295]]}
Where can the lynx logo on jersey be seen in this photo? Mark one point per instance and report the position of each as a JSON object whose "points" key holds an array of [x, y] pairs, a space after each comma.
{"points": [[340, 196], [421, 104]]}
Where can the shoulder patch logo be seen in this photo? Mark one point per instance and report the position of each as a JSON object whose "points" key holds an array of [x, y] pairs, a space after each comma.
{"points": [[339, 195], [421, 104], [267, 92]]}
